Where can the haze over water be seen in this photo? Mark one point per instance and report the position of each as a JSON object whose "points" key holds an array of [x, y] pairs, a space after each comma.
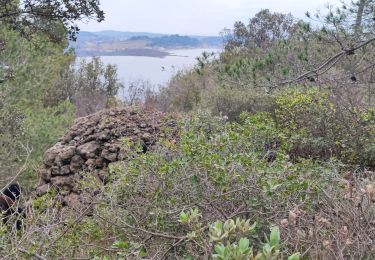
{"points": [[157, 71]]}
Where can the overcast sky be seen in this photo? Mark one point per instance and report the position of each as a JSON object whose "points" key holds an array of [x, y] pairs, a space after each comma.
{"points": [[192, 17]]}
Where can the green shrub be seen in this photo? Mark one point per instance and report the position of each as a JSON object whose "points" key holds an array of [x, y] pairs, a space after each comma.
{"points": [[317, 127], [200, 197], [242, 249], [27, 125], [232, 102]]}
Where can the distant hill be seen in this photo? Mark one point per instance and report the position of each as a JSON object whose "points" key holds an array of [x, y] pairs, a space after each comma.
{"points": [[142, 43], [113, 35], [173, 41]]}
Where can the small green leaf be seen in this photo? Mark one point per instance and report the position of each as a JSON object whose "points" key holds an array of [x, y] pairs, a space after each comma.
{"points": [[220, 249], [267, 249], [244, 244], [184, 217], [275, 236], [120, 245], [295, 256]]}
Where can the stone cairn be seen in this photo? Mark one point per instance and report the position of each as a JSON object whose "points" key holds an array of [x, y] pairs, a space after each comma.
{"points": [[95, 141]]}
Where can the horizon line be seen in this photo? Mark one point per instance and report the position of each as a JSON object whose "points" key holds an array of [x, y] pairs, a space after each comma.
{"points": [[114, 30]]}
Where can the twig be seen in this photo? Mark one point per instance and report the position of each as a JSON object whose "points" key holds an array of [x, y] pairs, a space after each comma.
{"points": [[141, 229], [19, 172], [216, 208], [32, 254], [329, 62], [79, 218], [170, 248]]}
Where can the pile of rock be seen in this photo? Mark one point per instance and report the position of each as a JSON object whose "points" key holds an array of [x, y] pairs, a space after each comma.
{"points": [[95, 141]]}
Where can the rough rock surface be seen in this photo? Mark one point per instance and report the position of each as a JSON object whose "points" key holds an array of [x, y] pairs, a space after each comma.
{"points": [[92, 143]]}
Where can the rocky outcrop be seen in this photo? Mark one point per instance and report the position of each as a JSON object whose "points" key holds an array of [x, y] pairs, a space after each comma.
{"points": [[94, 142]]}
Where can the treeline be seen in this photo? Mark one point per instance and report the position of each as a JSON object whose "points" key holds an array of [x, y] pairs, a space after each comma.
{"points": [[178, 41], [42, 89], [173, 41]]}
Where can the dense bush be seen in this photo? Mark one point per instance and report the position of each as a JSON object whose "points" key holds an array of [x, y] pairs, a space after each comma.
{"points": [[27, 126], [303, 75], [88, 84], [317, 127], [198, 89], [12, 137], [315, 123], [41, 92], [214, 193]]}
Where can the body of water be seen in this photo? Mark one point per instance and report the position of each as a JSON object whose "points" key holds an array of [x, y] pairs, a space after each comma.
{"points": [[155, 71]]}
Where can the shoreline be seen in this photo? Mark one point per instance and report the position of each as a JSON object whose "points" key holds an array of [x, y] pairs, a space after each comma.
{"points": [[131, 52], [153, 53]]}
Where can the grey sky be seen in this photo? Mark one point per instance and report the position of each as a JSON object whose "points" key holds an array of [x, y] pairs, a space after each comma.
{"points": [[198, 17]]}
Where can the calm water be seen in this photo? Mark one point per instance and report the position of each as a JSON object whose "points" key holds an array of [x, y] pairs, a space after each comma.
{"points": [[157, 71]]}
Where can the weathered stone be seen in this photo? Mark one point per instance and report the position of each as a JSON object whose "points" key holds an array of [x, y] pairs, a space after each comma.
{"points": [[146, 137], [45, 174], [64, 155], [60, 171], [104, 136], [90, 163], [73, 201], [91, 144], [89, 132], [67, 138], [114, 148], [41, 190], [41, 182], [50, 155], [76, 163], [112, 157], [67, 152], [65, 170], [88, 150], [55, 171], [63, 181], [73, 143], [99, 163], [89, 139], [111, 125], [96, 163]]}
